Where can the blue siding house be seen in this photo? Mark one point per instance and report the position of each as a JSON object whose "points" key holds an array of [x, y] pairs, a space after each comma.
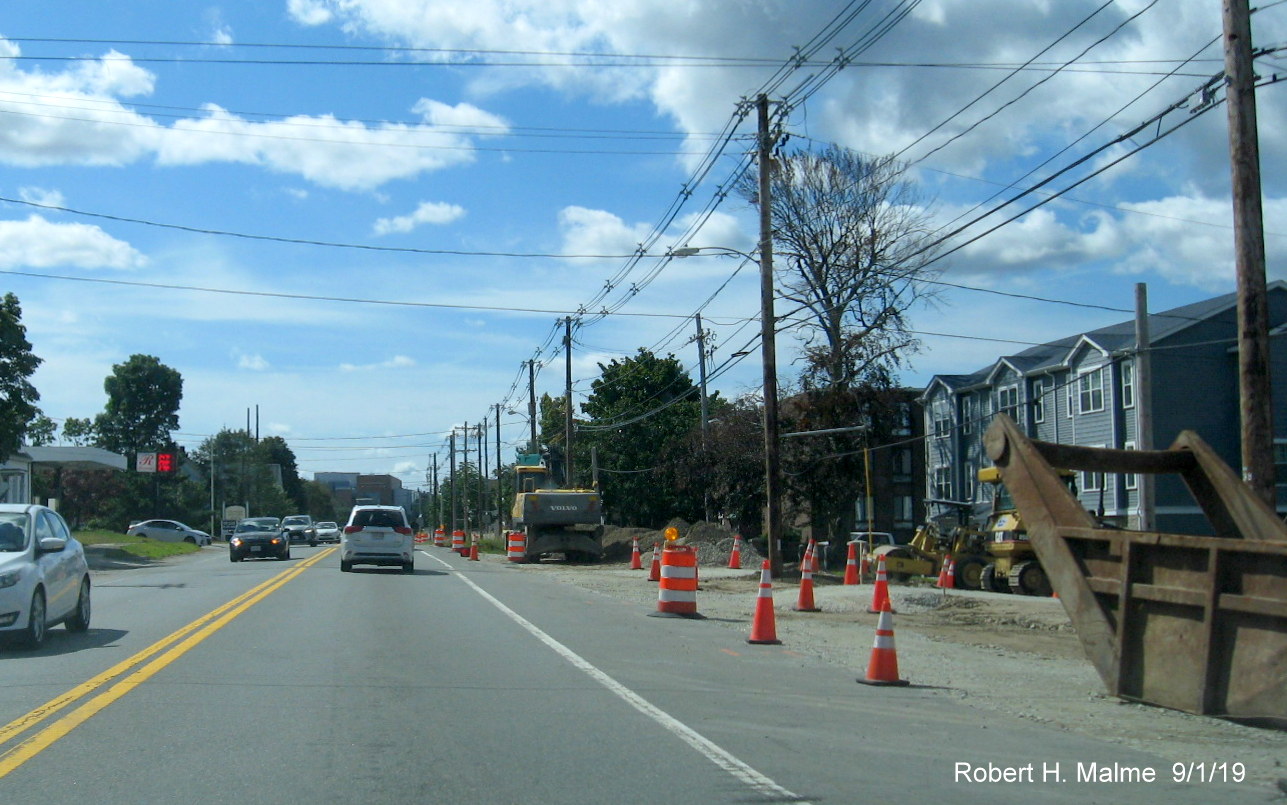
{"points": [[1082, 390]]}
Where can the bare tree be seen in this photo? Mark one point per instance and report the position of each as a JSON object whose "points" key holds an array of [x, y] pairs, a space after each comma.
{"points": [[853, 242]]}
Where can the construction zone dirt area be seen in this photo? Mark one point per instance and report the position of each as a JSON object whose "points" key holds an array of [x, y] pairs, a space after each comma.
{"points": [[1006, 656]]}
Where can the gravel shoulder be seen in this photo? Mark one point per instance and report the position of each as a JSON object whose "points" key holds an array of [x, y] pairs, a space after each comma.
{"points": [[1005, 656]]}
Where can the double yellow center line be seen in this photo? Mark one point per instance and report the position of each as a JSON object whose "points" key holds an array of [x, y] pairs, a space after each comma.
{"points": [[170, 648]]}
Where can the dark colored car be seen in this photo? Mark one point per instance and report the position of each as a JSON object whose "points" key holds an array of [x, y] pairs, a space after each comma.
{"points": [[257, 538], [300, 528]]}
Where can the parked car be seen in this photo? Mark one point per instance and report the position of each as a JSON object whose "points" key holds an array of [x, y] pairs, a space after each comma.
{"points": [[44, 579], [377, 535], [300, 528], [258, 537], [168, 531], [328, 531]]}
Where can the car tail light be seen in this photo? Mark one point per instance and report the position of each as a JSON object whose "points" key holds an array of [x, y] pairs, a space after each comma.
{"points": [[352, 529], [403, 530]]}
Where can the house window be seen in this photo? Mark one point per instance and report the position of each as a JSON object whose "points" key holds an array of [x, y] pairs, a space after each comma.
{"points": [[903, 464], [942, 418], [1090, 389], [904, 515], [1128, 384], [1070, 394], [1008, 401], [943, 483], [904, 415], [1038, 401], [1280, 463], [967, 414], [1131, 478], [1092, 481]]}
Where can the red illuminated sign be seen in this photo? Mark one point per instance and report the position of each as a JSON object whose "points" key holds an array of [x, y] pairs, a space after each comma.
{"points": [[165, 462]]}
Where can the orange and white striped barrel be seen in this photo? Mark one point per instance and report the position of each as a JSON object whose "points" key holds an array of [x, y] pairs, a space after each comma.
{"points": [[440, 537], [458, 542], [677, 589], [516, 548]]}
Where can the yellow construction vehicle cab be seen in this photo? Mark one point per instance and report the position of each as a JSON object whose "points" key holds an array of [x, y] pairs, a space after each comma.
{"points": [[1012, 565]]}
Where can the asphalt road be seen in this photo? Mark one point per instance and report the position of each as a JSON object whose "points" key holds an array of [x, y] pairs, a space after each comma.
{"points": [[202, 681]]}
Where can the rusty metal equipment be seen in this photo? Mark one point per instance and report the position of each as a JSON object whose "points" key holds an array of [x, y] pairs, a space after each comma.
{"points": [[1193, 623]]}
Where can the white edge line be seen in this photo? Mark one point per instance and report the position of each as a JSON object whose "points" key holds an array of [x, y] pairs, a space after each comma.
{"points": [[713, 752]]}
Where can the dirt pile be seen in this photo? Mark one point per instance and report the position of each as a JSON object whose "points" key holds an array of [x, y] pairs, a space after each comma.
{"points": [[713, 542]]}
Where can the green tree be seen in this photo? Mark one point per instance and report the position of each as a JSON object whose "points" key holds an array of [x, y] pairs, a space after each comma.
{"points": [[79, 432], [241, 474], [276, 451], [730, 469], [18, 396], [637, 408], [143, 397], [320, 504], [42, 431]]}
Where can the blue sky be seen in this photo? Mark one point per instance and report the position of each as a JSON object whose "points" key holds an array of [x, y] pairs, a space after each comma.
{"points": [[390, 203]]}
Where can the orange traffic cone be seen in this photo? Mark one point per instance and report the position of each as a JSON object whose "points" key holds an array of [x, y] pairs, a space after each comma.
{"points": [[763, 628], [811, 555], [882, 668], [735, 558], [880, 593], [636, 562], [864, 567], [654, 574], [941, 582], [805, 602], [949, 581], [851, 565], [473, 550]]}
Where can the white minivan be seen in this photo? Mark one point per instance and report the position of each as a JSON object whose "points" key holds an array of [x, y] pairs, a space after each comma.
{"points": [[377, 535]]}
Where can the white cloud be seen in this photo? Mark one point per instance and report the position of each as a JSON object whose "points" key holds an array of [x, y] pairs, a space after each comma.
{"points": [[587, 231], [324, 149], [308, 12], [42, 196], [222, 35], [38, 243], [255, 363], [428, 212], [396, 362]]}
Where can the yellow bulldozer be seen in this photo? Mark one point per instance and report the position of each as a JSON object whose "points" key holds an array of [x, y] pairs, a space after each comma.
{"points": [[934, 542]]}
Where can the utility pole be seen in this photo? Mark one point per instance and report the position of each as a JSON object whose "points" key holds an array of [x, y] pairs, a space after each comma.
{"points": [[1249, 246], [701, 374], [452, 461], [464, 492], [532, 446], [567, 399], [500, 496], [482, 474], [1143, 369], [768, 345], [437, 498]]}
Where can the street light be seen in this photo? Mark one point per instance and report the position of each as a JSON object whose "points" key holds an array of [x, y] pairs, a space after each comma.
{"points": [[768, 349]]}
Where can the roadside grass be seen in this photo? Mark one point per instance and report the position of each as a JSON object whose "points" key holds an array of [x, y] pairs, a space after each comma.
{"points": [[136, 546]]}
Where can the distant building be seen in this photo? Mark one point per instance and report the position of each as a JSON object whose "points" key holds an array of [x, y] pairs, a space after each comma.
{"points": [[1082, 390]]}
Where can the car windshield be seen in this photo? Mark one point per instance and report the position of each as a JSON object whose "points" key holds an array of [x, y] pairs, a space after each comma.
{"points": [[326, 525], [378, 518], [254, 526], [13, 532], [295, 521]]}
